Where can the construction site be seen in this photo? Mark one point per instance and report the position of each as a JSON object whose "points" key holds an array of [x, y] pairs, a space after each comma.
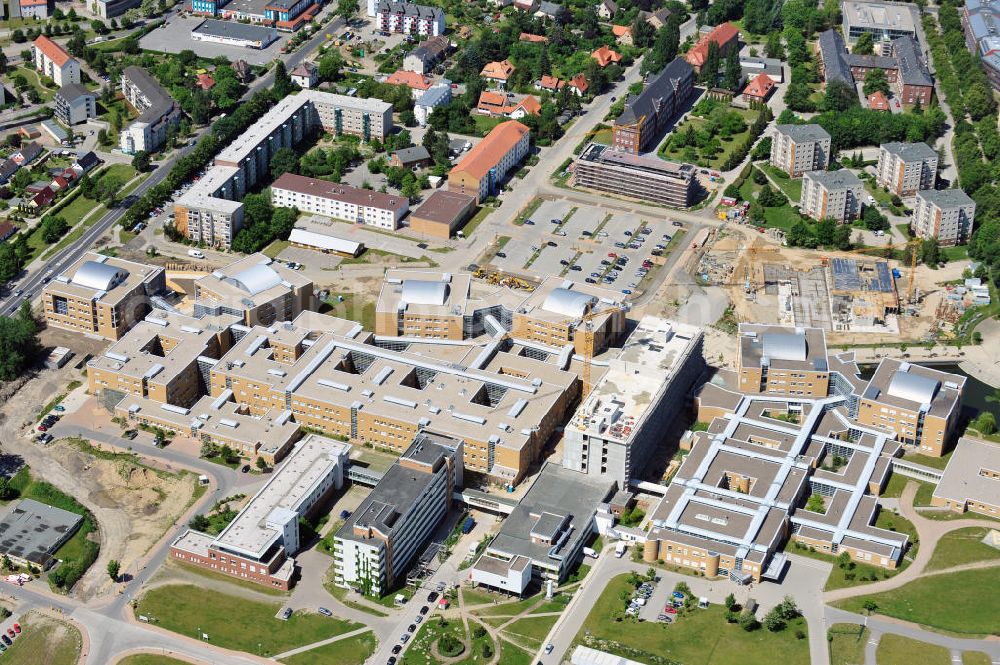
{"points": [[854, 296]]}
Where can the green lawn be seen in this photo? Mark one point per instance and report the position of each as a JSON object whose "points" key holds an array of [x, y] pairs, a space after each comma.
{"points": [[964, 603], [477, 219], [897, 482], [532, 629], [513, 655], [847, 643], [791, 187], [275, 248], [699, 637], [150, 659], [925, 460], [509, 609], [344, 596], [351, 651], [60, 641], [33, 79], [353, 308], [962, 546], [862, 573], [783, 218], [434, 629], [528, 211], [898, 650], [728, 145], [236, 623], [485, 123], [477, 597], [975, 658], [889, 520]]}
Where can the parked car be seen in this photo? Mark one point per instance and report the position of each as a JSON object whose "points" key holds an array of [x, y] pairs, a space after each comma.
{"points": [[424, 609], [528, 222], [130, 434], [563, 262], [501, 255], [549, 647], [325, 612], [418, 619], [286, 613], [576, 268], [432, 596], [397, 648], [411, 628], [590, 280], [59, 407], [17, 628], [627, 292], [670, 609], [404, 638], [391, 661]]}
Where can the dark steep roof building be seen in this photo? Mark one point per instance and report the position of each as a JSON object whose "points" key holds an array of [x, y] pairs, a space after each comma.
{"points": [[646, 115]]}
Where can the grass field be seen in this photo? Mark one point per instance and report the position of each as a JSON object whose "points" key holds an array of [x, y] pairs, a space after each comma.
{"points": [[898, 650], [351, 651], [476, 597], [975, 658], [791, 187], [840, 578], [783, 218], [509, 609], [514, 655], [236, 623], [60, 641], [150, 659], [847, 643], [962, 546], [353, 308], [275, 248], [694, 154], [477, 219], [700, 637], [933, 462], [894, 489], [532, 629], [432, 630], [973, 607], [485, 123]]}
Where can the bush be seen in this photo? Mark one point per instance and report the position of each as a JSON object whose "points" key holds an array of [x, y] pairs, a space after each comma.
{"points": [[450, 646], [773, 621], [748, 621]]}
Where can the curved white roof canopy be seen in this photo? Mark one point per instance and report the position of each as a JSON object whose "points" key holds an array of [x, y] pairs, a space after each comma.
{"points": [[568, 303], [784, 346], [99, 276], [423, 292], [255, 279], [914, 387]]}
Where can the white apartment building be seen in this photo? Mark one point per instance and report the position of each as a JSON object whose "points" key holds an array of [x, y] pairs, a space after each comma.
{"points": [[906, 168], [351, 204], [380, 541], [945, 214], [52, 60], [157, 112], [835, 194], [407, 18], [796, 149]]}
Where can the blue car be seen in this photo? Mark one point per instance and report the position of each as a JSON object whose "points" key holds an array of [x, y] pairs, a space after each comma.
{"points": [[678, 595], [627, 292]]}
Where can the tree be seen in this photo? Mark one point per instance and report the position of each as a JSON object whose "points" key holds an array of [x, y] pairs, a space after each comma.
{"points": [[330, 65], [840, 96], [282, 85], [730, 601], [664, 49], [865, 44], [347, 8], [710, 69], [774, 47], [773, 621], [261, 463], [985, 423], [643, 33], [979, 101], [113, 568], [141, 161], [18, 342], [284, 161], [930, 252], [842, 237], [199, 523], [869, 606], [52, 229], [734, 73], [874, 220], [815, 504], [6, 491], [748, 621], [876, 81]]}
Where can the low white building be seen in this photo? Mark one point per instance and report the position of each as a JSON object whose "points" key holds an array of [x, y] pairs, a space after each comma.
{"points": [[438, 95], [232, 33], [351, 204]]}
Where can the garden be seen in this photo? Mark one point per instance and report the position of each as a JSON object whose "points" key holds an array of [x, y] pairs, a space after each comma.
{"points": [[713, 132]]}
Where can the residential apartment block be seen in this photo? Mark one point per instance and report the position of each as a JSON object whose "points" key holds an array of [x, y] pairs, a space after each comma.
{"points": [[381, 540], [796, 149], [256, 290], [53, 61], [648, 178], [919, 405], [408, 18], [831, 194], [456, 306], [212, 210], [647, 115], [945, 214], [480, 172], [777, 360], [74, 104], [901, 60], [971, 481], [157, 110], [101, 295], [351, 204], [258, 544], [906, 168], [619, 428]]}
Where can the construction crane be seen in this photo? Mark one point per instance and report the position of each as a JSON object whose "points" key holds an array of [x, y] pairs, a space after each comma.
{"points": [[914, 248], [586, 325]]}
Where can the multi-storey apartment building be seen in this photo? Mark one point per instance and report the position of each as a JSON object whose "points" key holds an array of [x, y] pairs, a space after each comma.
{"points": [[379, 543], [101, 295], [335, 379], [482, 169], [409, 18], [906, 168], [351, 204], [455, 306], [156, 108], [642, 177], [258, 544], [920, 405], [945, 214], [646, 115], [74, 104], [831, 194], [796, 149], [256, 289], [54, 61], [776, 360], [212, 212], [619, 426]]}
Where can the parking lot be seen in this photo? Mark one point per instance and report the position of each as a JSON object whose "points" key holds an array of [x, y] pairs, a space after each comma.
{"points": [[175, 35], [585, 243]]}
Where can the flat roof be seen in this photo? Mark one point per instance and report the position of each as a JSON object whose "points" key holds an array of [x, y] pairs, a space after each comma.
{"points": [[782, 347], [114, 280], [248, 282], [599, 153], [915, 387], [645, 365], [878, 15], [235, 30], [910, 152], [309, 462], [839, 179], [443, 206], [32, 531], [946, 198], [972, 474], [799, 133]]}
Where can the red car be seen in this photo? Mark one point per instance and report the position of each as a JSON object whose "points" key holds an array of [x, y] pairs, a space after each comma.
{"points": [[42, 428], [670, 610], [10, 632], [612, 255], [17, 628]]}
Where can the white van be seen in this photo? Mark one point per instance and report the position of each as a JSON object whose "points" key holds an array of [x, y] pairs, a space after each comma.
{"points": [[620, 549], [196, 253]]}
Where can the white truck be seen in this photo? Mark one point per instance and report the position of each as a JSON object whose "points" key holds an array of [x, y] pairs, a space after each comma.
{"points": [[620, 549], [590, 551]]}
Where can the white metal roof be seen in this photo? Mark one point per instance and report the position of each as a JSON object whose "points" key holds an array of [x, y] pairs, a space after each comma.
{"points": [[424, 292], [99, 276], [323, 241], [913, 387], [256, 279], [784, 346], [567, 302]]}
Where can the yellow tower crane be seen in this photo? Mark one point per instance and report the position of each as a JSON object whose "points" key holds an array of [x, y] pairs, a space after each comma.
{"points": [[914, 248], [587, 328]]}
